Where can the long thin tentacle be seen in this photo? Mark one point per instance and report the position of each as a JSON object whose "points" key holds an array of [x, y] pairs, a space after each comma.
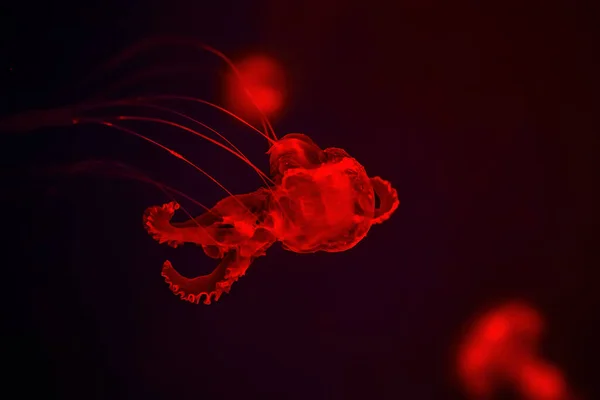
{"points": [[162, 146], [71, 115], [131, 173], [141, 99], [241, 156], [131, 51], [185, 128], [36, 119], [265, 178], [233, 149], [208, 103], [122, 170]]}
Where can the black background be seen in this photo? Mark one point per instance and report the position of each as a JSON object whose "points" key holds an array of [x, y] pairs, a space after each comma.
{"points": [[480, 115]]}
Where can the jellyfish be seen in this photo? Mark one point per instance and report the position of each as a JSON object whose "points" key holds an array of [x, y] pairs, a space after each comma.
{"points": [[311, 200], [501, 349]]}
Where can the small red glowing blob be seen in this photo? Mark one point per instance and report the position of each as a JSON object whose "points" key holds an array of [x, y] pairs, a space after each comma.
{"points": [[259, 85], [539, 380], [501, 348]]}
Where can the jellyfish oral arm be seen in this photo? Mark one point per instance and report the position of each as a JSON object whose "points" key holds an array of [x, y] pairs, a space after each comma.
{"points": [[228, 223], [229, 231], [210, 286], [157, 221]]}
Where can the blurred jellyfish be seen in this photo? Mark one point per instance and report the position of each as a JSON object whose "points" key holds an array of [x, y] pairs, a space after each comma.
{"points": [[501, 349], [259, 84]]}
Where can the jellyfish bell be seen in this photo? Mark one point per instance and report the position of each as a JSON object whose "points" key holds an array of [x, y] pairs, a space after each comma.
{"points": [[332, 204], [327, 191], [294, 150], [259, 85]]}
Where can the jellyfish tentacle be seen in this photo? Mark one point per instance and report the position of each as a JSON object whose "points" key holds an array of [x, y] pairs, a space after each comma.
{"points": [[37, 119], [233, 150], [149, 43], [157, 221], [228, 231], [388, 199], [230, 223], [211, 286]]}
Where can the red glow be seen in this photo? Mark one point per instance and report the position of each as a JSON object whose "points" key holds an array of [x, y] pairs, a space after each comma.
{"points": [[260, 84], [541, 381], [501, 348]]}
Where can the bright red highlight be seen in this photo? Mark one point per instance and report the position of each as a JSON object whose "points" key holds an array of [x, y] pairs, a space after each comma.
{"points": [[501, 348], [322, 200], [259, 84]]}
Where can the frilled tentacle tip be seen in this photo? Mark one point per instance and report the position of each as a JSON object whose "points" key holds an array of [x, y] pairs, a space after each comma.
{"points": [[187, 290], [208, 287], [157, 222]]}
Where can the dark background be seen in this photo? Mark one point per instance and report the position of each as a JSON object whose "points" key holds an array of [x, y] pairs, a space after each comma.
{"points": [[480, 115]]}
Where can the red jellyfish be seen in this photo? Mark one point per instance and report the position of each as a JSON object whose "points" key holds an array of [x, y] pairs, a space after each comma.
{"points": [[501, 349], [315, 200], [322, 200]]}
